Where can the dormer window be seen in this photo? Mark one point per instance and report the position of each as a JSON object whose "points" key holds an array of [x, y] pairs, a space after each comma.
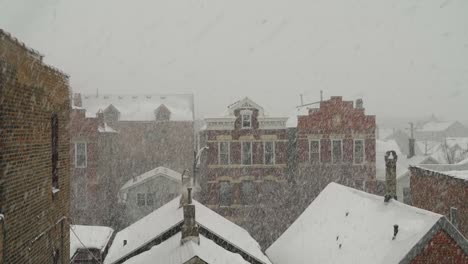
{"points": [[246, 118]]}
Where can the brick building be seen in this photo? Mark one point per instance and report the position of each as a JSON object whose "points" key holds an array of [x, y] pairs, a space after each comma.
{"points": [[34, 157], [442, 189], [117, 137], [333, 143], [244, 169]]}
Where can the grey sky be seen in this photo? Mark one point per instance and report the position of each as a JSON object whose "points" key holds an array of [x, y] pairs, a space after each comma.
{"points": [[406, 58]]}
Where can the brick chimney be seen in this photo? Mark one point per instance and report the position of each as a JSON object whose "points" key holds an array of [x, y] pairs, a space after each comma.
{"points": [[411, 143], [77, 100], [390, 175], [359, 104], [189, 230], [185, 180], [100, 118]]}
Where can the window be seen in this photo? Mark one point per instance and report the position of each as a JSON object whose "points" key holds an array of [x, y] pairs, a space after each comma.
{"points": [[224, 153], [269, 152], [150, 199], [314, 151], [358, 151], [247, 192], [337, 151], [225, 193], [246, 153], [246, 121], [54, 136], [81, 155], [141, 199]]}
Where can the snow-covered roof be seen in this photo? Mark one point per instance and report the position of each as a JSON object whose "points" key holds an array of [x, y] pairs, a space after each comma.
{"points": [[140, 107], [293, 115], [93, 237], [459, 170], [172, 252], [168, 216], [245, 103], [157, 172], [434, 126], [463, 162], [106, 129], [344, 225], [458, 174]]}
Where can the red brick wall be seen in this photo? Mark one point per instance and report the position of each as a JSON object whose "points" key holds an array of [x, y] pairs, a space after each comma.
{"points": [[30, 93], [437, 193], [441, 249]]}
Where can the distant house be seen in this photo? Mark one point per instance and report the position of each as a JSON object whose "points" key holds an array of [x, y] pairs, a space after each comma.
{"points": [[402, 174], [184, 231], [449, 150], [147, 192], [89, 244], [442, 189], [437, 131], [344, 225], [117, 137]]}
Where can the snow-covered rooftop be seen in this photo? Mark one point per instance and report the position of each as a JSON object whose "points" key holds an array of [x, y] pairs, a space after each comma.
{"points": [[106, 129], [344, 225], [140, 107], [157, 172], [294, 114], [434, 126], [168, 216], [172, 252], [93, 237], [458, 174]]}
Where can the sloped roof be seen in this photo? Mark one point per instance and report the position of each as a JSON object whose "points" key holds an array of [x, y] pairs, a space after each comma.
{"points": [[170, 215], [156, 172], [172, 252], [360, 222], [93, 237], [434, 126], [140, 107], [245, 103], [458, 171]]}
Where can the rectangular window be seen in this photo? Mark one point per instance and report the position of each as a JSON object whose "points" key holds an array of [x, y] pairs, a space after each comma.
{"points": [[247, 192], [269, 152], [358, 151], [224, 153], [55, 153], [141, 199], [246, 121], [225, 193], [314, 151], [246, 153], [337, 151], [81, 155], [150, 199]]}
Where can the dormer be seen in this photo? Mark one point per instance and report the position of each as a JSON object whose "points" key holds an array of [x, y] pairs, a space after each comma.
{"points": [[162, 113], [111, 114], [245, 104]]}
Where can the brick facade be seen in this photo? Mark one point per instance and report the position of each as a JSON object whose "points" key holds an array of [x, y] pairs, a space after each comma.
{"points": [[118, 150], [437, 192], [338, 120], [35, 226], [441, 249]]}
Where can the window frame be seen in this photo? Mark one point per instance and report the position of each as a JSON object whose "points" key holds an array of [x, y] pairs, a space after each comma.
{"points": [[138, 195], [228, 152], [363, 151], [331, 149], [85, 154], [273, 144], [221, 204], [242, 153], [319, 151], [250, 196], [249, 119]]}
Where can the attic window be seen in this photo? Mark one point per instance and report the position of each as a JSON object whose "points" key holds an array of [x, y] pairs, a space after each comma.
{"points": [[246, 120]]}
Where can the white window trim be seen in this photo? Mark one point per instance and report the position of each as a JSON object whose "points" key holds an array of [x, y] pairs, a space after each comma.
{"points": [[242, 120], [331, 150], [274, 152], [86, 154], [363, 151], [319, 152], [242, 153], [229, 152]]}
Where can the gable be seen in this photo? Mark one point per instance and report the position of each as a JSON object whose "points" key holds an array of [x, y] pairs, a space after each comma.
{"points": [[245, 103]]}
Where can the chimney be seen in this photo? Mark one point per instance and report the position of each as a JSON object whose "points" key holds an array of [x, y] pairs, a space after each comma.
{"points": [[100, 118], [395, 231], [411, 148], [185, 180], [359, 104], [454, 216], [390, 175], [189, 227], [77, 100]]}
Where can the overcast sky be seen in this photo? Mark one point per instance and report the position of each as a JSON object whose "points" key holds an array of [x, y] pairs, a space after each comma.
{"points": [[405, 58]]}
